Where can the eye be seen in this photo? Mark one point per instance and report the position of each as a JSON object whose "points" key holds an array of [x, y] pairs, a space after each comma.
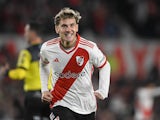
{"points": [[64, 26], [72, 25]]}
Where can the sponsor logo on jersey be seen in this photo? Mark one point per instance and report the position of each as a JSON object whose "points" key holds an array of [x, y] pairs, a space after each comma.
{"points": [[80, 60], [69, 75]]}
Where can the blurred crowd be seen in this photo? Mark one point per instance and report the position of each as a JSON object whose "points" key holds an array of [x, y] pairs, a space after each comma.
{"points": [[106, 18], [103, 17], [120, 105], [11, 92]]}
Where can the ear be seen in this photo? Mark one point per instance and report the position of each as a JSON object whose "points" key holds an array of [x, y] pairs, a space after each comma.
{"points": [[77, 26], [57, 29]]}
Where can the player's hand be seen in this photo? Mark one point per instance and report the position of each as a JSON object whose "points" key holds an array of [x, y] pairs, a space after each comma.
{"points": [[46, 96], [98, 95]]}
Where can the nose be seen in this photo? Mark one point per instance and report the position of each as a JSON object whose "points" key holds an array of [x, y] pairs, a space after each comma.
{"points": [[68, 28]]}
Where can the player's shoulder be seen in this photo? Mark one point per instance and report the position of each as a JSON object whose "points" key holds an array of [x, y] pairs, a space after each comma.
{"points": [[51, 42], [86, 43], [25, 53], [33, 48]]}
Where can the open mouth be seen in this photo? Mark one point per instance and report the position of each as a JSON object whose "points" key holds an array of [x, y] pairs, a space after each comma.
{"points": [[68, 36]]}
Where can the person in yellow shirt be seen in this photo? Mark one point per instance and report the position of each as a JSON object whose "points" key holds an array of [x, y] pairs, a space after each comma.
{"points": [[28, 70]]}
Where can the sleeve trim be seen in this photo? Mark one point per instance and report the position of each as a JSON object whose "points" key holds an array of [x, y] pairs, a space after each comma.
{"points": [[103, 64]]}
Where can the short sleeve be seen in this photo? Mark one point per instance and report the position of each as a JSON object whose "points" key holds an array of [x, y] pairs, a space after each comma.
{"points": [[98, 59], [24, 59]]}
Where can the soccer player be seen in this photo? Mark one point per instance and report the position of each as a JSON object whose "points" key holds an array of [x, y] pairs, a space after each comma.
{"points": [[28, 70], [68, 62]]}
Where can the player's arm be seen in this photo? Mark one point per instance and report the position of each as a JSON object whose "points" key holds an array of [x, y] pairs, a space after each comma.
{"points": [[44, 75], [104, 81], [17, 74], [99, 60], [23, 64]]}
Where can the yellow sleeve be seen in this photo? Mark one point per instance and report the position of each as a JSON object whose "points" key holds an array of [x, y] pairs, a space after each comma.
{"points": [[24, 59], [23, 65], [17, 74]]}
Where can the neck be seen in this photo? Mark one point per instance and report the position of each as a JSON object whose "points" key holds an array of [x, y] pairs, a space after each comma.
{"points": [[36, 41], [67, 44]]}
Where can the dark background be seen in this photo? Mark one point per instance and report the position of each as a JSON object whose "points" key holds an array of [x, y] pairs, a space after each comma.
{"points": [[111, 24]]}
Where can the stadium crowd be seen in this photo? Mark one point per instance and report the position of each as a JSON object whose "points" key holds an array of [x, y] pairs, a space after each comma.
{"points": [[101, 18]]}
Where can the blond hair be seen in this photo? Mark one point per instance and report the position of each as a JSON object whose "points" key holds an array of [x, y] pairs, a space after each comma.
{"points": [[67, 13]]}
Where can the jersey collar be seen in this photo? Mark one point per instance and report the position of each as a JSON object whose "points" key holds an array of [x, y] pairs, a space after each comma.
{"points": [[78, 39]]}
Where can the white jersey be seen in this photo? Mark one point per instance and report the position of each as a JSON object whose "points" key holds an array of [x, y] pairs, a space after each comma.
{"points": [[70, 72], [144, 102]]}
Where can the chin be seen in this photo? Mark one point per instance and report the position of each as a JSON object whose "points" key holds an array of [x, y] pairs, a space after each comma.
{"points": [[69, 40]]}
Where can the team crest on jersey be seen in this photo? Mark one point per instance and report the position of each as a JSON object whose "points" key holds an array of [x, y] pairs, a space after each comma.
{"points": [[80, 60]]}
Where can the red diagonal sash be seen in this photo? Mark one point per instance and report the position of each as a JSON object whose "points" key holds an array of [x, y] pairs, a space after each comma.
{"points": [[63, 84]]}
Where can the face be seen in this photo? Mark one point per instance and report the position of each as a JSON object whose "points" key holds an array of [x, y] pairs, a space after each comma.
{"points": [[67, 29], [28, 34]]}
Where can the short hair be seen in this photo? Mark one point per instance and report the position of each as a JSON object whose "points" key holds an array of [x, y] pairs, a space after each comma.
{"points": [[67, 13], [35, 26]]}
